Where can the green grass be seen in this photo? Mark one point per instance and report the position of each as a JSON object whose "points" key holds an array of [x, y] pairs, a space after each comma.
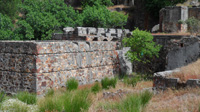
{"points": [[77, 101], [69, 101], [106, 83], [26, 97], [72, 84], [132, 103], [131, 81], [96, 88]]}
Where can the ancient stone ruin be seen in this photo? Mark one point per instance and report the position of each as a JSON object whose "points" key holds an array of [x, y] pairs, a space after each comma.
{"points": [[36, 66]]}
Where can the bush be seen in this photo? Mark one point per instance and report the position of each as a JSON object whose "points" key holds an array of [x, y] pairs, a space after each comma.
{"points": [[76, 101], [41, 18], [96, 88], [27, 97], [6, 27], [141, 45], [107, 83], [14, 105], [72, 84], [100, 16], [132, 81], [194, 25]]}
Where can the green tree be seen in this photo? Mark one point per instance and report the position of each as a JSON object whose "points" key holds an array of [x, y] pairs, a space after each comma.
{"points": [[41, 18], [9, 7], [6, 27], [141, 45]]}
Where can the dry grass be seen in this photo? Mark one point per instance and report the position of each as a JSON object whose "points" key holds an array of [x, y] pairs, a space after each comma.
{"points": [[187, 100], [190, 71]]}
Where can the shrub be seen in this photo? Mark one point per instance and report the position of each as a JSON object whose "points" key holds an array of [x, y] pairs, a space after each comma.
{"points": [[6, 27], [100, 16], [141, 45], [76, 101], [107, 83], [194, 25], [72, 84], [14, 105], [132, 81], [41, 18], [27, 97], [96, 88]]}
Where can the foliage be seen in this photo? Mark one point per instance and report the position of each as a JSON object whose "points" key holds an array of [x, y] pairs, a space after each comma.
{"points": [[133, 102], [9, 7], [51, 103], [27, 97], [6, 27], [194, 25], [100, 16], [141, 45], [96, 2], [14, 105], [41, 18], [118, 19], [96, 88], [154, 6], [72, 84], [132, 81], [76, 101], [106, 83]]}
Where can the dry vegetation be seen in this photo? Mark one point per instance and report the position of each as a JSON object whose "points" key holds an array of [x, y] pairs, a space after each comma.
{"points": [[190, 71], [187, 100]]}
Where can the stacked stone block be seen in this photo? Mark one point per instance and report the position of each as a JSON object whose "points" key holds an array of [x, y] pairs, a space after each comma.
{"points": [[36, 66], [92, 34]]}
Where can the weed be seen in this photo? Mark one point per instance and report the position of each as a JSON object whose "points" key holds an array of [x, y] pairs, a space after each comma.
{"points": [[26, 97], [107, 83], [76, 101], [72, 84], [145, 97], [51, 104], [96, 88], [131, 81]]}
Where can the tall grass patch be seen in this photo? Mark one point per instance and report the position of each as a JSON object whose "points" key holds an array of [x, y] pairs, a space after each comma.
{"points": [[132, 103], [132, 81], [107, 83], [96, 88], [26, 97], [77, 101], [72, 84]]}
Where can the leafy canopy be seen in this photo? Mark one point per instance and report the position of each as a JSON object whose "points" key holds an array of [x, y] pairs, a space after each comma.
{"points": [[6, 27], [141, 45], [41, 18]]}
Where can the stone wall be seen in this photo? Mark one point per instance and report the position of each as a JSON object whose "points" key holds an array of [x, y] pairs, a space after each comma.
{"points": [[194, 12], [39, 65], [169, 17], [177, 51]]}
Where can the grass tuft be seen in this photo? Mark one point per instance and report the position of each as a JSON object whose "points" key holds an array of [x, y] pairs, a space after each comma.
{"points": [[96, 88], [50, 92], [72, 84], [107, 83], [26, 97], [132, 81]]}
